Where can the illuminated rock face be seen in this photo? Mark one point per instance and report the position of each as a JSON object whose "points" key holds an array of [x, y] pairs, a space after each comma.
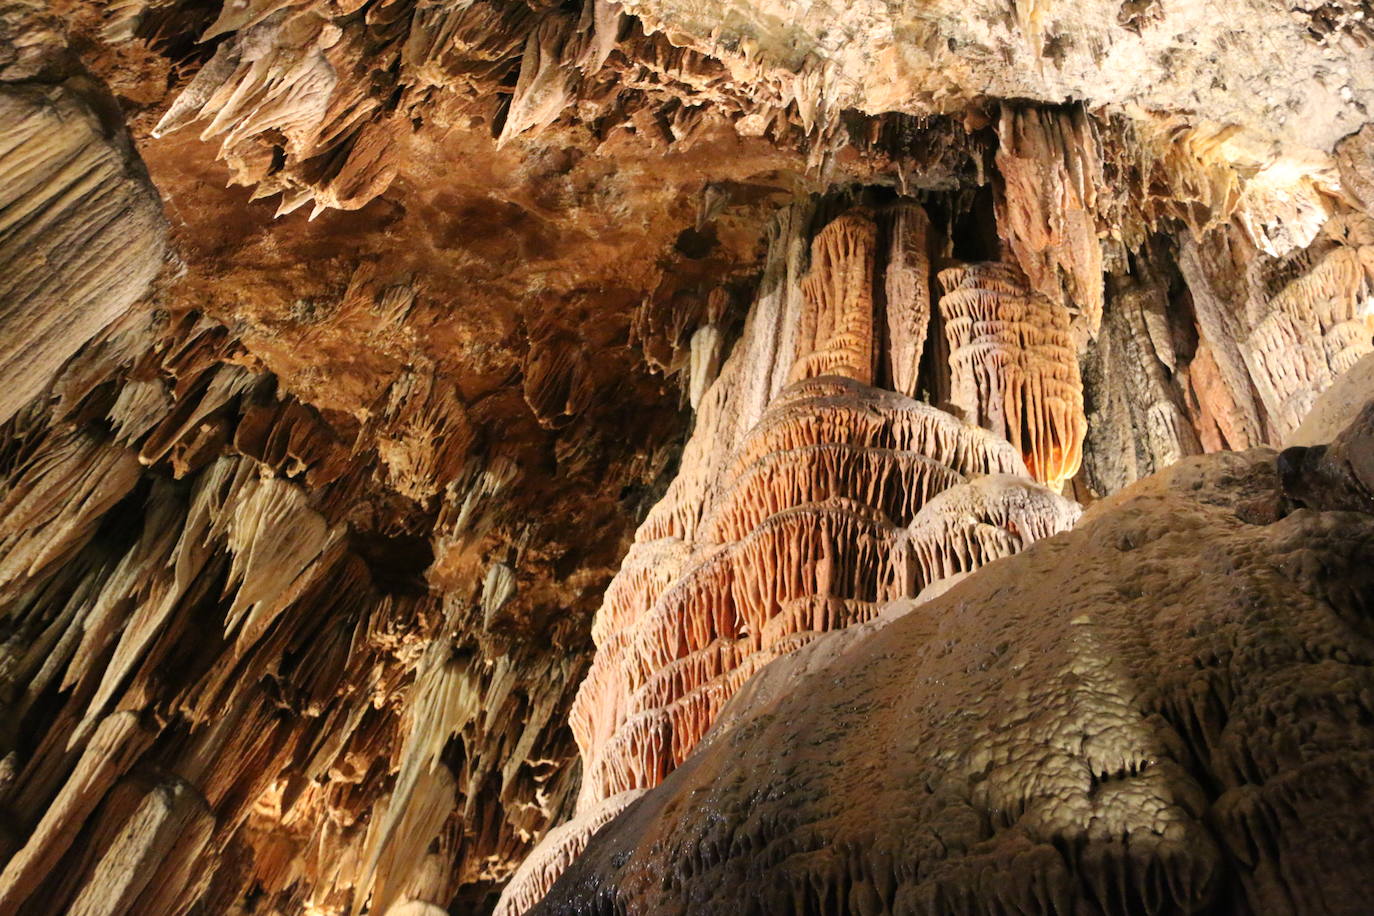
{"points": [[801, 508], [305, 518], [1013, 366], [1182, 725], [1281, 330], [82, 233]]}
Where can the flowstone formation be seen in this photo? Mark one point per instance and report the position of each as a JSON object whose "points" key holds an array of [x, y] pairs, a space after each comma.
{"points": [[1013, 366], [349, 348], [809, 499], [81, 230], [1183, 726]]}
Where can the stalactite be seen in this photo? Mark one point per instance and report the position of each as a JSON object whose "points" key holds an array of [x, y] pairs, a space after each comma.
{"points": [[704, 362], [908, 294], [319, 103], [546, 84], [1013, 366], [422, 432], [293, 75], [223, 592], [145, 869], [555, 381], [81, 227], [1050, 164], [836, 331], [790, 525]]}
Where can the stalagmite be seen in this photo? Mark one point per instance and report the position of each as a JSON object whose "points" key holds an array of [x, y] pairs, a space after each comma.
{"points": [[791, 527], [1013, 366], [1322, 322], [969, 525]]}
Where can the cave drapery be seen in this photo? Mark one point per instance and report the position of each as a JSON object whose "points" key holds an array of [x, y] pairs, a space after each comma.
{"points": [[686, 456]]}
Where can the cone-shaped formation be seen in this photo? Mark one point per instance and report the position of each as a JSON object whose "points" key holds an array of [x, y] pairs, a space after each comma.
{"points": [[1013, 368], [790, 526], [908, 295]]}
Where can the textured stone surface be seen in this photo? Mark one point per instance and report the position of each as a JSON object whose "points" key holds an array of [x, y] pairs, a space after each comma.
{"points": [[807, 499], [1337, 406], [1182, 725], [301, 544], [82, 233], [921, 55]]}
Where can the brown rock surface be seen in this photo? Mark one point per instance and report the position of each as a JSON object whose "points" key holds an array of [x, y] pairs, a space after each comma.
{"points": [[806, 501], [81, 235], [1182, 726], [310, 484]]}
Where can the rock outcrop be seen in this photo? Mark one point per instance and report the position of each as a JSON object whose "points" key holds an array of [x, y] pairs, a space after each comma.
{"points": [[1183, 727], [82, 232], [212, 656]]}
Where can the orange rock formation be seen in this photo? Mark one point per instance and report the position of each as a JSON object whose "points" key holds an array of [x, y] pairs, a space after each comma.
{"points": [[803, 508]]}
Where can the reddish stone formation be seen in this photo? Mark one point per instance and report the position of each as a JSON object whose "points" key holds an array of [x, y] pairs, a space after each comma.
{"points": [[830, 500], [1013, 366], [836, 332], [1050, 163], [311, 484]]}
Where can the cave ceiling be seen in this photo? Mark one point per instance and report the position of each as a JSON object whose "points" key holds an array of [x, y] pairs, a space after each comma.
{"points": [[354, 353]]}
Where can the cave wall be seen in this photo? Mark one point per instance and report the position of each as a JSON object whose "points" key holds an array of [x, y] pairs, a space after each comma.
{"points": [[312, 484]]}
